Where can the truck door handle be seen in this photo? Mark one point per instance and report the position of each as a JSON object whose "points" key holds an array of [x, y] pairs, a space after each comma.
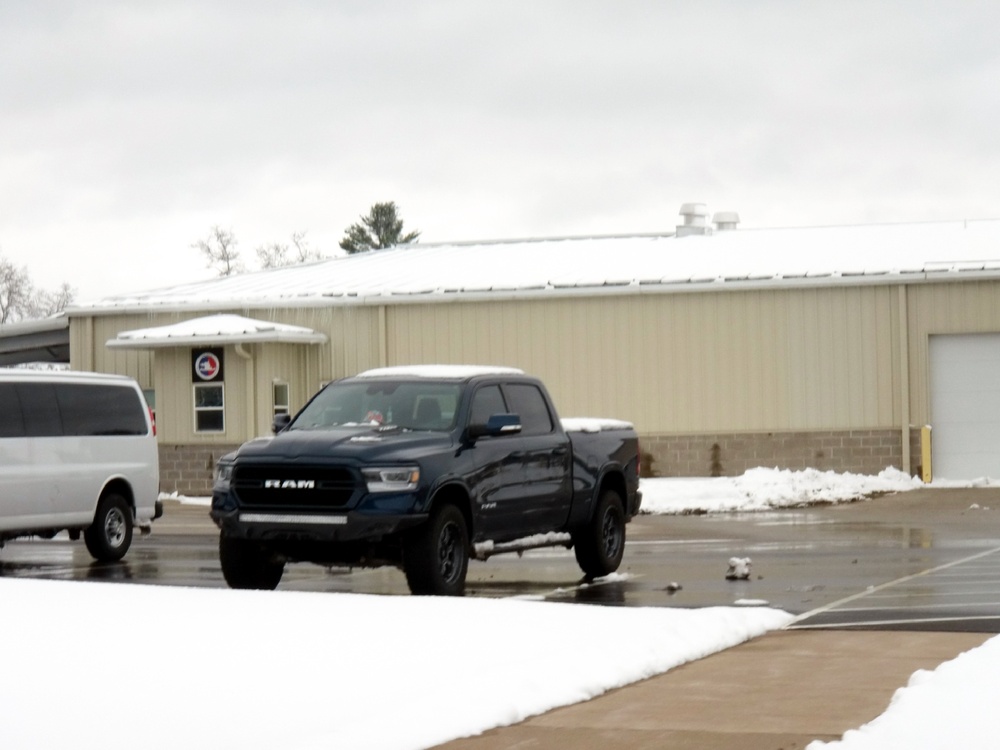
{"points": [[559, 452]]}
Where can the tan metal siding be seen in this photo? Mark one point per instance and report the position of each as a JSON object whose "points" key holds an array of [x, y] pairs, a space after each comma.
{"points": [[804, 359], [959, 307], [354, 343], [88, 351]]}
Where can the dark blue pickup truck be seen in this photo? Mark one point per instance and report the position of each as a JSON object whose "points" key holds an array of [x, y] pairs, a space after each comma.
{"points": [[423, 468]]}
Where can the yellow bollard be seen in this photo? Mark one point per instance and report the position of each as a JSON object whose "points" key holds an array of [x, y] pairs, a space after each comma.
{"points": [[925, 454]]}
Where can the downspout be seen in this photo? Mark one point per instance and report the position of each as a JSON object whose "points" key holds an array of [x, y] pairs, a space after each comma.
{"points": [[383, 339], [904, 376], [251, 383]]}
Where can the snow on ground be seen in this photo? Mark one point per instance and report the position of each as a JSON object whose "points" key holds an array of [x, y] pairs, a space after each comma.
{"points": [[766, 489], [99, 666], [952, 707], [108, 666]]}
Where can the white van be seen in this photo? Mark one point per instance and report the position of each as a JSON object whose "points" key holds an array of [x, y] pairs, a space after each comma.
{"points": [[78, 454]]}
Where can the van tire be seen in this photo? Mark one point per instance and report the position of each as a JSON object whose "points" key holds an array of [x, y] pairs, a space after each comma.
{"points": [[248, 565], [110, 535]]}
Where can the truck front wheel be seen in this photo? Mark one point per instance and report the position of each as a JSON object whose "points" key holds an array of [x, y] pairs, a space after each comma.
{"points": [[600, 546], [248, 565], [436, 557]]}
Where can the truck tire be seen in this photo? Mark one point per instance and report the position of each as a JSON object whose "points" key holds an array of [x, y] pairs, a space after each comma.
{"points": [[248, 565], [436, 557], [600, 546], [110, 535]]}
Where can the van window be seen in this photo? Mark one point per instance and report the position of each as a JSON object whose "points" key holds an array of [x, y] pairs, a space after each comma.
{"points": [[60, 409], [100, 410], [11, 421], [40, 409]]}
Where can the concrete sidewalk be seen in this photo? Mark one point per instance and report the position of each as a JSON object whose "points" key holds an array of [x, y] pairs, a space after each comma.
{"points": [[777, 692]]}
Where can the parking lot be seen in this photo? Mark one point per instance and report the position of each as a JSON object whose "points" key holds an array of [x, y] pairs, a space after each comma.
{"points": [[922, 560]]}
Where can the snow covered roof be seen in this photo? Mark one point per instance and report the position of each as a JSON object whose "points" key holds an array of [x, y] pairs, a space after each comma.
{"points": [[439, 371], [215, 330], [896, 253]]}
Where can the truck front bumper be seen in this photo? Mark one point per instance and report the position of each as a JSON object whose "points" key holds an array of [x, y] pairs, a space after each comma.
{"points": [[348, 526]]}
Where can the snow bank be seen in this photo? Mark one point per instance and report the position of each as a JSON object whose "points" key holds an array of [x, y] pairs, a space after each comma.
{"points": [[95, 666], [952, 707], [766, 489]]}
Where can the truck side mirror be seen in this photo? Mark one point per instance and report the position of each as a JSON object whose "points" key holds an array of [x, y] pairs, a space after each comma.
{"points": [[280, 422], [496, 425]]}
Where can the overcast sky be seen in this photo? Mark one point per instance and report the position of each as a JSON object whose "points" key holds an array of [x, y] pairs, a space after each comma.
{"points": [[129, 129]]}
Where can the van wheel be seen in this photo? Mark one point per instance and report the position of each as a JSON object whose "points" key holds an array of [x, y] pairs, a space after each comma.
{"points": [[248, 565], [600, 546], [436, 557], [110, 535]]}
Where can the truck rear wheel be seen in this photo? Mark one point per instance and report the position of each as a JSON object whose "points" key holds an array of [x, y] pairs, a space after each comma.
{"points": [[436, 557], [600, 546], [110, 535], [248, 565]]}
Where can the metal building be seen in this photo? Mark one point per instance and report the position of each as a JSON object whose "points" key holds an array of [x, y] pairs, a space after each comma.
{"points": [[728, 348]]}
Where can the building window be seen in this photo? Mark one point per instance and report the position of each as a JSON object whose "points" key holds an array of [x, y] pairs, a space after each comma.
{"points": [[209, 408], [280, 398]]}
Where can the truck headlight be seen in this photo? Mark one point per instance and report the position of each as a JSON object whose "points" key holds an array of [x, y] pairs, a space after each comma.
{"points": [[223, 473], [392, 478]]}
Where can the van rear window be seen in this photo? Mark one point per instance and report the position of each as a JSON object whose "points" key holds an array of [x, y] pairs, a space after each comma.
{"points": [[69, 409]]}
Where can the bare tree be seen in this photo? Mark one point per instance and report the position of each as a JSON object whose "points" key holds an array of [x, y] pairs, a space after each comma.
{"points": [[304, 252], [44, 303], [19, 300], [220, 249], [276, 254], [273, 255], [15, 292]]}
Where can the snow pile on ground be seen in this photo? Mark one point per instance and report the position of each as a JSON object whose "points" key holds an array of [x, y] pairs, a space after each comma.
{"points": [[757, 489], [952, 707], [96, 666], [766, 489]]}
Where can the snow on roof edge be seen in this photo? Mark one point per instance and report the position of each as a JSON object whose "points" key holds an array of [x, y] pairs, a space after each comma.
{"points": [[616, 264]]}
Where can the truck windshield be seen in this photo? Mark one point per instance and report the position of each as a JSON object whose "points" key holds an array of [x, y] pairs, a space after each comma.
{"points": [[410, 405]]}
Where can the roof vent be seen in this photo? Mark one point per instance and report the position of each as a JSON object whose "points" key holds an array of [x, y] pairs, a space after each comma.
{"points": [[725, 221], [695, 217]]}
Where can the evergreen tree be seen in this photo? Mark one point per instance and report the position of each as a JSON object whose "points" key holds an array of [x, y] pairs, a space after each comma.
{"points": [[380, 228]]}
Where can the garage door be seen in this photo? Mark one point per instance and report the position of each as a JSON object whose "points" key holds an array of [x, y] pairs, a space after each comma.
{"points": [[965, 406]]}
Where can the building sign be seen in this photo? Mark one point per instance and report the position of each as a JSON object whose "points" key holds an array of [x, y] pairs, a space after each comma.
{"points": [[206, 365]]}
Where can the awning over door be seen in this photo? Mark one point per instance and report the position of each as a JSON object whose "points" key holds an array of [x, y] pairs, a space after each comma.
{"points": [[216, 330]]}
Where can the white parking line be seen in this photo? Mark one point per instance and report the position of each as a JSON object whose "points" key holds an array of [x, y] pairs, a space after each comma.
{"points": [[889, 584], [880, 623], [991, 605], [675, 542]]}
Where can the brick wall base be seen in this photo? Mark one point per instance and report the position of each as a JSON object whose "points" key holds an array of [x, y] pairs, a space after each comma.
{"points": [[857, 451], [187, 469]]}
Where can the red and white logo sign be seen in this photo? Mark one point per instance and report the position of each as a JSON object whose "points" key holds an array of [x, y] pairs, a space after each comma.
{"points": [[207, 366]]}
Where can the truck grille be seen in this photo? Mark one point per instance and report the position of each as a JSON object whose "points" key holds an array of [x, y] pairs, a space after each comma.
{"points": [[289, 487]]}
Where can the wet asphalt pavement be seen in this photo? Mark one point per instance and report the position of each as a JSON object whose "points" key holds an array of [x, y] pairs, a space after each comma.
{"points": [[922, 560]]}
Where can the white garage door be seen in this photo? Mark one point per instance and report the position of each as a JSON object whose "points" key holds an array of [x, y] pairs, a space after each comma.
{"points": [[965, 406]]}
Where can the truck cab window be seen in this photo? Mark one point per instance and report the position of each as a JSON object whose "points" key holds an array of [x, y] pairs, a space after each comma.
{"points": [[486, 402], [529, 403]]}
